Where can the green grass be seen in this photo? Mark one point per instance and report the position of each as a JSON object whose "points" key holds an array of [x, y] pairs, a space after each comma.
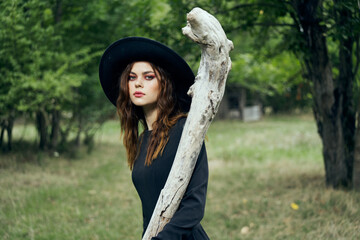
{"points": [[256, 171]]}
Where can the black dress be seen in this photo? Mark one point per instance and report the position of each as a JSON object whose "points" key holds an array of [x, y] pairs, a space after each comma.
{"points": [[149, 181]]}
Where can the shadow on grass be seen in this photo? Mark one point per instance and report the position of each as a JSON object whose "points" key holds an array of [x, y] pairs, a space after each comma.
{"points": [[25, 152], [302, 180]]}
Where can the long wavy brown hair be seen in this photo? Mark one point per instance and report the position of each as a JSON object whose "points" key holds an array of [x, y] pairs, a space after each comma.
{"points": [[132, 116]]}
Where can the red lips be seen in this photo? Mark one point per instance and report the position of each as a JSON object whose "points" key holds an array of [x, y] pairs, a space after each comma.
{"points": [[138, 94]]}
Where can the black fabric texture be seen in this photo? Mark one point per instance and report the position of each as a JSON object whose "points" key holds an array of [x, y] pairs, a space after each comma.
{"points": [[149, 181]]}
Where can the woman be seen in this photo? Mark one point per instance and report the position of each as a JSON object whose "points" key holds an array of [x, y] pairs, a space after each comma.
{"points": [[147, 82]]}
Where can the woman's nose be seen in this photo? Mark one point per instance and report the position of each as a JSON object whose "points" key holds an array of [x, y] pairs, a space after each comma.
{"points": [[139, 82]]}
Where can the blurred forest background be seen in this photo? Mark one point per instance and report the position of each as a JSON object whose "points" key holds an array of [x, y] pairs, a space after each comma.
{"points": [[50, 52], [290, 56]]}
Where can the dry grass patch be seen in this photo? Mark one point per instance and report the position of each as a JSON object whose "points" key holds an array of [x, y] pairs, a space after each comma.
{"points": [[266, 182]]}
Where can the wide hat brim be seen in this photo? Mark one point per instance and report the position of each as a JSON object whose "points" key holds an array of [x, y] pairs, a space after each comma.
{"points": [[127, 50]]}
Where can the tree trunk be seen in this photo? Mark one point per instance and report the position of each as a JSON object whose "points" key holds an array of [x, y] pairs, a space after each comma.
{"points": [[345, 85], [8, 125], [356, 169], [2, 125], [55, 129], [9, 129], [206, 92], [328, 101], [242, 102], [42, 128]]}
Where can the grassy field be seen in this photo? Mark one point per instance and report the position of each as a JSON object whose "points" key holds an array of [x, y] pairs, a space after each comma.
{"points": [[266, 182]]}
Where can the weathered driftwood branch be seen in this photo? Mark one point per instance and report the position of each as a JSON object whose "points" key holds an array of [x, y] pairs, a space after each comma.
{"points": [[206, 92]]}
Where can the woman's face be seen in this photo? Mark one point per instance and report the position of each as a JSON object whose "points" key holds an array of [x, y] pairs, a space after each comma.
{"points": [[143, 85]]}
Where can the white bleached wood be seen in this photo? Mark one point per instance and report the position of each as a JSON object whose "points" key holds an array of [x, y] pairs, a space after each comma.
{"points": [[206, 92]]}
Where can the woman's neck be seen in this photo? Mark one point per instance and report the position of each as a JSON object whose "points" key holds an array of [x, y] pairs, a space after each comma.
{"points": [[151, 115]]}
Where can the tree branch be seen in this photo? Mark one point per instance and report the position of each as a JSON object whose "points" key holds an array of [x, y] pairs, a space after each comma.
{"points": [[206, 93]]}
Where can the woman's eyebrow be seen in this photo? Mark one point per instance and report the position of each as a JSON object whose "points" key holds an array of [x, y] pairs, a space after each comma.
{"points": [[147, 72]]}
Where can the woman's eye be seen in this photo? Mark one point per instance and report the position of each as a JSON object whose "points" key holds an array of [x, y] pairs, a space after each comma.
{"points": [[131, 77], [149, 77]]}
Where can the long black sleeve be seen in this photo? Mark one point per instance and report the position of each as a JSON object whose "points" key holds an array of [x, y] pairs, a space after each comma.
{"points": [[150, 180], [191, 210]]}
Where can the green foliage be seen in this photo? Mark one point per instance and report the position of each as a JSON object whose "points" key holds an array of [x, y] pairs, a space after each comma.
{"points": [[265, 76], [38, 70], [50, 50], [159, 11], [46, 58]]}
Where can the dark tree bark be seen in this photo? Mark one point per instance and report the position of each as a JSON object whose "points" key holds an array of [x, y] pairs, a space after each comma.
{"points": [[7, 125], [2, 124], [9, 129], [42, 129], [242, 102], [55, 115], [55, 129], [332, 102], [345, 89], [356, 168]]}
